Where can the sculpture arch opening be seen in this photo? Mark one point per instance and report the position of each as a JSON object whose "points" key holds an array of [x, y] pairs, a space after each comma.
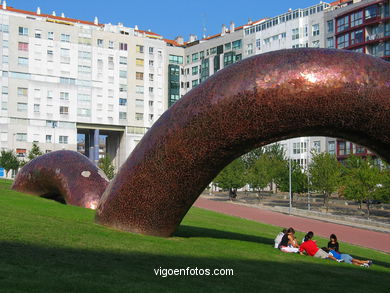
{"points": [[260, 100]]}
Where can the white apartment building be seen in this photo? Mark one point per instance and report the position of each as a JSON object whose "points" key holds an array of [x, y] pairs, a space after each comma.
{"points": [[65, 83]]}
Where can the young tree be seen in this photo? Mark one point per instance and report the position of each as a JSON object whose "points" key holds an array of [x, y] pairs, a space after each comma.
{"points": [[8, 161], [325, 173], [363, 181], [106, 165], [232, 177], [34, 152]]}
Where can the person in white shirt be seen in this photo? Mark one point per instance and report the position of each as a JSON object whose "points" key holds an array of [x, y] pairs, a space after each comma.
{"points": [[279, 237]]}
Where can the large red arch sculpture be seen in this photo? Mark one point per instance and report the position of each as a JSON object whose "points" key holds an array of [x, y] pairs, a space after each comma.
{"points": [[257, 101]]}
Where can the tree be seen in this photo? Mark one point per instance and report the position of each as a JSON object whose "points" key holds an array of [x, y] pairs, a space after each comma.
{"points": [[34, 152], [106, 165], [325, 173], [232, 177], [8, 161], [266, 168], [363, 181], [298, 179]]}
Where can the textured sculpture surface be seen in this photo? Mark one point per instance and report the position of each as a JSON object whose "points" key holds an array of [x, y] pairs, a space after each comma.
{"points": [[66, 175], [263, 99]]}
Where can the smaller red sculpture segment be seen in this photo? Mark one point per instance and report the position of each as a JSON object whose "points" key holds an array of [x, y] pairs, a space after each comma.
{"points": [[65, 174]]}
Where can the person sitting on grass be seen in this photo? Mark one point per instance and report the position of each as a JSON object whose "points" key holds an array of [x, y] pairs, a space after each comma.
{"points": [[333, 244], [288, 242], [347, 258], [311, 248], [279, 237]]}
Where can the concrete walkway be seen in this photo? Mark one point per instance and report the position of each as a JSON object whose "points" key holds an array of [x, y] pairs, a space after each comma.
{"points": [[370, 239]]}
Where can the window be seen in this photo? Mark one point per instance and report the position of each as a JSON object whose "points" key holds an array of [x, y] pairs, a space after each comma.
{"points": [[139, 62], [123, 73], [357, 37], [122, 102], [342, 148], [188, 59], [5, 59], [331, 147], [21, 107], [258, 44], [139, 49], [151, 90], [195, 57], [342, 23], [343, 41], [315, 44], [139, 116], [329, 25], [195, 83], [295, 33], [100, 43], [4, 90], [123, 46], [139, 75], [64, 96], [228, 46], [139, 89], [21, 137], [65, 38], [139, 103], [237, 45], [151, 50], [23, 61], [84, 112], [64, 110], [122, 88], [122, 115], [110, 44], [50, 35], [151, 63], [371, 12], [66, 80], [299, 147], [48, 138], [330, 42], [317, 146], [36, 108], [356, 18], [315, 29], [23, 31], [85, 55], [22, 91], [22, 46], [175, 59], [63, 139], [84, 69], [228, 58], [151, 77], [65, 55], [123, 60], [38, 34], [195, 70], [84, 98]]}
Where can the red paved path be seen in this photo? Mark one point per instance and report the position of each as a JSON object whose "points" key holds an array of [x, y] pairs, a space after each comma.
{"points": [[362, 237]]}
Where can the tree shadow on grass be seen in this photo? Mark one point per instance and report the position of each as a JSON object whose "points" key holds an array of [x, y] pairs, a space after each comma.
{"points": [[37, 268], [192, 231]]}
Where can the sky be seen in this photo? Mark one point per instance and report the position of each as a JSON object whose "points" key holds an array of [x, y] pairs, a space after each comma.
{"points": [[169, 18]]}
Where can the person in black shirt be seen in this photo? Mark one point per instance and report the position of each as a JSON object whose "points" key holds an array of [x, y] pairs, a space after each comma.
{"points": [[333, 244]]}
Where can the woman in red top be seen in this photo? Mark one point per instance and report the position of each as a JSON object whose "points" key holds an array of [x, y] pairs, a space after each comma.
{"points": [[311, 248]]}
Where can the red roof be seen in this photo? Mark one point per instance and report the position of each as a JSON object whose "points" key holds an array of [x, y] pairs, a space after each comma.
{"points": [[51, 16], [148, 33], [339, 2]]}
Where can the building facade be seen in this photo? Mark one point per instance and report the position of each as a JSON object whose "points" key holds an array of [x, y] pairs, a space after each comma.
{"points": [[97, 88]]}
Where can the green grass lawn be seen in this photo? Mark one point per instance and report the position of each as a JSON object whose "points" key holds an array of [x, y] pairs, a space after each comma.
{"points": [[49, 247]]}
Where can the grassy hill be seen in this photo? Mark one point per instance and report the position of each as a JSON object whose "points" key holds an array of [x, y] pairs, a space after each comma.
{"points": [[49, 247]]}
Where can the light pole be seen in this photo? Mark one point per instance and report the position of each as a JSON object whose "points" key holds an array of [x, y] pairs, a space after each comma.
{"points": [[289, 178], [308, 174]]}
